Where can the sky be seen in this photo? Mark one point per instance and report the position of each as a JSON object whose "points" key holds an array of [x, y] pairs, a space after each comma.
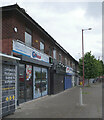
{"points": [[64, 21]]}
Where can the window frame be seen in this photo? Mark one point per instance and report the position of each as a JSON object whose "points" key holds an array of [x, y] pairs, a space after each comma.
{"points": [[65, 61], [29, 38], [42, 43], [60, 57], [54, 54]]}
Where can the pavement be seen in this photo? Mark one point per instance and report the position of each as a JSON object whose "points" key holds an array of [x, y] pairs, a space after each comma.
{"points": [[64, 105]]}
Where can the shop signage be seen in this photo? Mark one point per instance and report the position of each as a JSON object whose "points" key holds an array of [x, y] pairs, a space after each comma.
{"points": [[30, 52], [34, 55], [8, 89], [28, 72], [69, 70]]}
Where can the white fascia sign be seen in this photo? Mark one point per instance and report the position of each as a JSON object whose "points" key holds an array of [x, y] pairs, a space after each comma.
{"points": [[22, 49], [69, 70]]}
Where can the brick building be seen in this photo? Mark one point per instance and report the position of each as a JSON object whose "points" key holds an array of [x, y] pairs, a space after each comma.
{"points": [[45, 67]]}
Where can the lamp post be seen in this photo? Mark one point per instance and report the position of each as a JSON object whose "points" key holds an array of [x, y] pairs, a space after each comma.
{"points": [[83, 51]]}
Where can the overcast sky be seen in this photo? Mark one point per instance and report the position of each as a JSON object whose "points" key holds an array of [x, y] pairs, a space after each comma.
{"points": [[64, 21]]}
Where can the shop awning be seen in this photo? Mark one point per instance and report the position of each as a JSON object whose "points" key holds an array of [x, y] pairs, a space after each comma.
{"points": [[8, 57]]}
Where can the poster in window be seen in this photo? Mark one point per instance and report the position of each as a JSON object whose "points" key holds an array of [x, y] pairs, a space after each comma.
{"points": [[28, 72]]}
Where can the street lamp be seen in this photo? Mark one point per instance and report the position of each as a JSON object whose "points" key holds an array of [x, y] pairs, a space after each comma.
{"points": [[83, 51]]}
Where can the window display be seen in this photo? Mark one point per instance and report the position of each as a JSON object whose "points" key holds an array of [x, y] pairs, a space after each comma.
{"points": [[40, 82], [28, 82], [37, 82]]}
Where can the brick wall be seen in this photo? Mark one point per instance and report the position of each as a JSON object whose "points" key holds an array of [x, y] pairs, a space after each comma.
{"points": [[12, 20], [9, 22], [36, 40]]}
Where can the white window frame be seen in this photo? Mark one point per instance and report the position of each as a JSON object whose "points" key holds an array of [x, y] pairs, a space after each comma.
{"points": [[54, 54], [65, 61], [28, 39], [42, 46]]}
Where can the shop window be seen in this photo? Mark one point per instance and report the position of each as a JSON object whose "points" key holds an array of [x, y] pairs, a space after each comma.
{"points": [[28, 82], [54, 54], [40, 82], [28, 39], [42, 46], [28, 72]]}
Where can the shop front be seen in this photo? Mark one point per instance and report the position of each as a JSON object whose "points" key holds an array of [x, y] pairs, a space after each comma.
{"points": [[25, 82], [33, 82], [68, 78], [33, 72], [68, 81], [57, 76]]}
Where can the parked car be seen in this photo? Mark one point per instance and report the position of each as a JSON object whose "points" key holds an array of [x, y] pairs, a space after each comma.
{"points": [[95, 80]]}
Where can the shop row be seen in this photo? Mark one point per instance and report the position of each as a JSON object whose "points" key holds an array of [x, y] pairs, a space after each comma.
{"points": [[33, 63], [23, 81]]}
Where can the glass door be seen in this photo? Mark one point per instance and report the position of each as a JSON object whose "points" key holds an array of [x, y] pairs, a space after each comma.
{"points": [[44, 82], [37, 82], [21, 83]]}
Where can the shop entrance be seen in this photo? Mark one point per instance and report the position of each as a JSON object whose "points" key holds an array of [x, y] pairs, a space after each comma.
{"points": [[68, 82], [21, 83], [39, 82], [25, 83]]}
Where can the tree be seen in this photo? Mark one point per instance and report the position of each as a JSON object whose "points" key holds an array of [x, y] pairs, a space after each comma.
{"points": [[92, 67], [99, 68]]}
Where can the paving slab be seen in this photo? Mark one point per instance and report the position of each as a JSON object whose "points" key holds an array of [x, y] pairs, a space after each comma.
{"points": [[64, 105]]}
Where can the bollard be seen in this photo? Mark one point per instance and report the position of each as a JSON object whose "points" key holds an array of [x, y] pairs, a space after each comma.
{"points": [[80, 99]]}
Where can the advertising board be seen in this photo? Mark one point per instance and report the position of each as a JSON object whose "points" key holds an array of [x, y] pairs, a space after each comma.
{"points": [[30, 52], [8, 89]]}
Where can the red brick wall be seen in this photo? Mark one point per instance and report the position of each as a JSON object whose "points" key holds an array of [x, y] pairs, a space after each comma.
{"points": [[7, 46], [20, 25], [11, 21], [36, 41], [7, 26], [7, 33]]}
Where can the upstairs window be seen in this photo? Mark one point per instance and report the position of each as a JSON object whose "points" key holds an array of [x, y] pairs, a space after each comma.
{"points": [[54, 54], [60, 58], [65, 61], [50, 51], [69, 62], [28, 39], [73, 66], [42, 46]]}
